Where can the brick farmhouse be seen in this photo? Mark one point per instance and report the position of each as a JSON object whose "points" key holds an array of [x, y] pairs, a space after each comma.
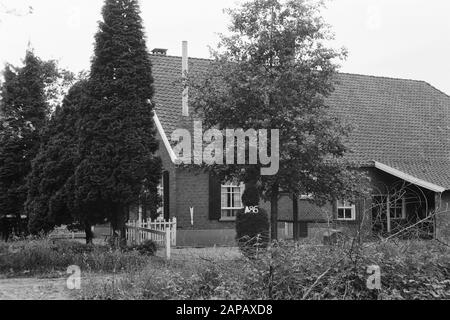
{"points": [[401, 139]]}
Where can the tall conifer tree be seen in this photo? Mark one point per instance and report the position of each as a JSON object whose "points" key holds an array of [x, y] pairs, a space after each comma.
{"points": [[117, 134], [49, 201], [24, 114]]}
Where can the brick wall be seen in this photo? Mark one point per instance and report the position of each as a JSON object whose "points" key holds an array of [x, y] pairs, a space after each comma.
{"points": [[443, 218], [193, 191]]}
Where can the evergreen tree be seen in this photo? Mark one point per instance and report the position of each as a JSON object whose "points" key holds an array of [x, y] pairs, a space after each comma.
{"points": [[24, 110], [117, 134], [49, 203]]}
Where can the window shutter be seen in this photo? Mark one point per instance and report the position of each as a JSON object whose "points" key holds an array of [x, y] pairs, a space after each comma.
{"points": [[334, 209], [215, 197], [166, 194], [303, 229]]}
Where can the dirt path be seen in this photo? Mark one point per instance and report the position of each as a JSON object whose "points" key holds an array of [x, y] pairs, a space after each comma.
{"points": [[35, 289]]}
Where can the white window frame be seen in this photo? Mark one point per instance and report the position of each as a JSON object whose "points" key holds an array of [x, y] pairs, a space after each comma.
{"points": [[222, 209], [391, 206], [346, 206]]}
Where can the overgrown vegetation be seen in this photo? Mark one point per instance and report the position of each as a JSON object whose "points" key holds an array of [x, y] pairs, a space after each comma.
{"points": [[409, 270], [51, 257]]}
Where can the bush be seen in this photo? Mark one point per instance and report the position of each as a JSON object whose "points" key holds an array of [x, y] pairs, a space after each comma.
{"points": [[252, 227], [252, 232], [409, 270], [45, 256], [147, 248]]}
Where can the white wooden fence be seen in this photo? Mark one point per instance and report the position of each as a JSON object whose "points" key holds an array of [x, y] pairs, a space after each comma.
{"points": [[163, 233]]}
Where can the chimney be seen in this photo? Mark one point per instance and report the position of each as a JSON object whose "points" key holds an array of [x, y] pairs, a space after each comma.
{"points": [[185, 70]]}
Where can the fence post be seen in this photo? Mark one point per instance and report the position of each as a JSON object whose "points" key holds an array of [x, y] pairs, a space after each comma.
{"points": [[138, 231], [168, 243], [174, 231]]}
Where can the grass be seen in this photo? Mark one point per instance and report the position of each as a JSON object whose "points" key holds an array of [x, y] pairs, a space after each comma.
{"points": [[409, 270], [53, 257]]}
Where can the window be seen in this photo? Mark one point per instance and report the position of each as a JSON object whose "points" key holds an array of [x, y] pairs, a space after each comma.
{"points": [[397, 209], [231, 196], [346, 211]]}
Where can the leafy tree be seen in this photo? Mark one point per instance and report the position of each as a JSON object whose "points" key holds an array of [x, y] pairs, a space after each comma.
{"points": [[273, 71], [117, 136]]}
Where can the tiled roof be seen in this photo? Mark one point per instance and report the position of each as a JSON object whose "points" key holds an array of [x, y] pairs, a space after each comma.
{"points": [[434, 171], [403, 123], [168, 87], [393, 119]]}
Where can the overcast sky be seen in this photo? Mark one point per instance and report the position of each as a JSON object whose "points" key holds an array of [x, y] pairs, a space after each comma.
{"points": [[395, 38]]}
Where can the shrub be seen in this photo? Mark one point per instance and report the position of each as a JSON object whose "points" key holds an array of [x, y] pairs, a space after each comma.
{"points": [[148, 248], [286, 272], [45, 256], [252, 226]]}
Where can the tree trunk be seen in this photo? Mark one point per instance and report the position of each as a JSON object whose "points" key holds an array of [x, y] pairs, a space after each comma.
{"points": [[89, 233], [121, 217], [274, 212], [117, 225]]}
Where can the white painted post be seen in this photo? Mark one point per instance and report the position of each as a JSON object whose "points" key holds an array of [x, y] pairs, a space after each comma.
{"points": [[136, 233], [140, 214], [139, 232], [168, 243], [174, 231]]}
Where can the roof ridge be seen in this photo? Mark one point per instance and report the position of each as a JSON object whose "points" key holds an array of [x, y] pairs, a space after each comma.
{"points": [[438, 90], [339, 73], [381, 77], [179, 57]]}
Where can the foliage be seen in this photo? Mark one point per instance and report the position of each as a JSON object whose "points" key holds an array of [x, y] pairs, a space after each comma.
{"points": [[43, 256], [148, 247], [410, 270], [26, 96], [252, 224], [97, 155], [117, 138], [273, 71], [48, 203]]}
